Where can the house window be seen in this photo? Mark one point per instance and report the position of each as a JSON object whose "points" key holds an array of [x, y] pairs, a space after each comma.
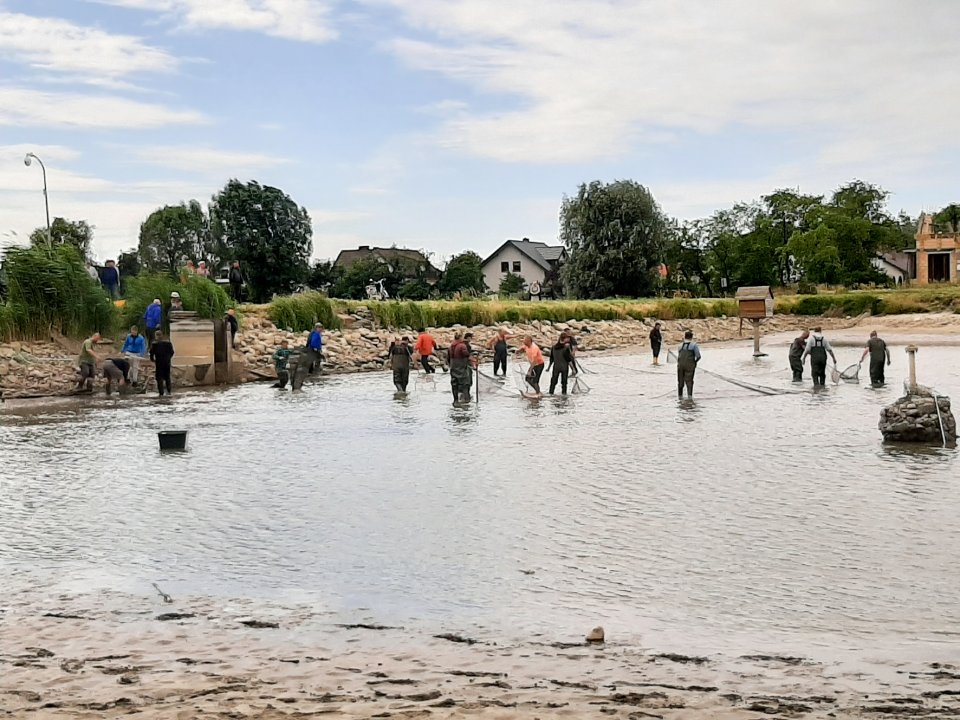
{"points": [[516, 266], [504, 266]]}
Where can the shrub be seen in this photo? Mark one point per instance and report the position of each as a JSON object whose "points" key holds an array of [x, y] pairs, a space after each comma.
{"points": [[49, 288], [806, 288], [199, 294], [301, 312]]}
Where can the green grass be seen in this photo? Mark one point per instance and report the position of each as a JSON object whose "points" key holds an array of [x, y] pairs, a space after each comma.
{"points": [[301, 312]]}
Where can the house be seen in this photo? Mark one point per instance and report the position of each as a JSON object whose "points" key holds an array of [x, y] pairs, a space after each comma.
{"points": [[896, 266], [936, 253], [535, 262], [411, 263]]}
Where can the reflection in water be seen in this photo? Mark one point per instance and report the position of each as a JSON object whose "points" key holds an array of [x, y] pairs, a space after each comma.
{"points": [[781, 520]]}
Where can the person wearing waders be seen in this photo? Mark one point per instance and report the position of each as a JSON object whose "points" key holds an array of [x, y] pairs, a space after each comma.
{"points": [[687, 358], [281, 363], [161, 352], [817, 348], [796, 355], [560, 360], [499, 346], [400, 360], [461, 372], [879, 352], [535, 358], [656, 340]]}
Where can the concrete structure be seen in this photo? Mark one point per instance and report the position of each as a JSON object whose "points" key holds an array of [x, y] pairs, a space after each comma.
{"points": [[936, 253], [535, 262], [202, 347]]}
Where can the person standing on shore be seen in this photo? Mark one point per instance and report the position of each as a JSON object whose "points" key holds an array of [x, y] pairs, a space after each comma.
{"points": [[400, 361], [796, 355], [88, 363], [425, 347], [687, 359], [231, 319], [236, 281], [461, 370], [111, 280], [535, 358], [162, 355], [176, 304], [560, 359], [134, 350], [281, 363], [817, 348], [152, 319], [656, 341], [498, 343], [202, 270], [878, 351]]}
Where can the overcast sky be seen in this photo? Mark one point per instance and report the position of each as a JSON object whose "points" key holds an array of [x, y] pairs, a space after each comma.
{"points": [[455, 124]]}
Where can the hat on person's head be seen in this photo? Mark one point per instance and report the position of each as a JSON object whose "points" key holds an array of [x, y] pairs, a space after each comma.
{"points": [[174, 294], [319, 325], [156, 301]]}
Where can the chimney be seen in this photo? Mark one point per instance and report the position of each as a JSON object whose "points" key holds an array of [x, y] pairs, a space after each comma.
{"points": [[364, 247]]}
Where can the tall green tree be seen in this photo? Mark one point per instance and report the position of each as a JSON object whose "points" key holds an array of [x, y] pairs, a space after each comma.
{"points": [[948, 219], [464, 272], [173, 234], [263, 228], [77, 234], [614, 234], [323, 275], [352, 283]]}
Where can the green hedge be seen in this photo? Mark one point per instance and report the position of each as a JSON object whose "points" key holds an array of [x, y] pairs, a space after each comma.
{"points": [[301, 312]]}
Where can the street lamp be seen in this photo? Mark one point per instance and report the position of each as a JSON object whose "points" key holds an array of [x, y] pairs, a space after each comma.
{"points": [[27, 160]]}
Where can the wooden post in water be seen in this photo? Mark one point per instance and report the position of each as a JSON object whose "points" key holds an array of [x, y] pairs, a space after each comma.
{"points": [[756, 339], [912, 364]]}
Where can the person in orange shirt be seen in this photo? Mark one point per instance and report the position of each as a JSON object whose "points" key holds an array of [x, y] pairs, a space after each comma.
{"points": [[425, 347], [535, 358]]}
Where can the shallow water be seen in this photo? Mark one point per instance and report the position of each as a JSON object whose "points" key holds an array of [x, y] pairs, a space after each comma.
{"points": [[737, 523]]}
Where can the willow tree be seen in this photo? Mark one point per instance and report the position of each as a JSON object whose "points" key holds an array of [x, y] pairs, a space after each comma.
{"points": [[614, 234]]}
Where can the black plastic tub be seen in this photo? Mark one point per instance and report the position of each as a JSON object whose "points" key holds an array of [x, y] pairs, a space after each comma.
{"points": [[173, 439]]}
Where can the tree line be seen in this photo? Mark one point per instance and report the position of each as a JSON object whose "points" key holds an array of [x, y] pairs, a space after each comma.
{"points": [[618, 239]]}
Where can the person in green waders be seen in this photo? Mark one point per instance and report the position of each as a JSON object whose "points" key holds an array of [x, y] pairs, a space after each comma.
{"points": [[796, 355], [687, 358], [281, 363], [817, 348], [879, 352], [461, 369]]}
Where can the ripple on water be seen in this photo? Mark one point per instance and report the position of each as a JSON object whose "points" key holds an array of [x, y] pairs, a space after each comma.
{"points": [[781, 519]]}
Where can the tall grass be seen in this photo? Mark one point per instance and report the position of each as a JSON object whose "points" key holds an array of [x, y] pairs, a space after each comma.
{"points": [[301, 312], [49, 289], [200, 295]]}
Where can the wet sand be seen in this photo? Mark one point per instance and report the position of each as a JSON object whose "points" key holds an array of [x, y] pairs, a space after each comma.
{"points": [[108, 655]]}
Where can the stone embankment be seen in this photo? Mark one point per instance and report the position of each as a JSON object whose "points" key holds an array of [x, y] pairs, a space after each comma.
{"points": [[914, 418], [37, 369]]}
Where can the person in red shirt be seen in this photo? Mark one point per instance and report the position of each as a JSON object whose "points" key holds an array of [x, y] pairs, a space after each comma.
{"points": [[425, 347], [535, 358]]}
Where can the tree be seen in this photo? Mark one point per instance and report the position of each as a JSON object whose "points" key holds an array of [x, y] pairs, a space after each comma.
{"points": [[353, 282], [323, 275], [948, 219], [614, 234], [512, 284], [66, 232], [173, 234], [464, 272], [263, 228]]}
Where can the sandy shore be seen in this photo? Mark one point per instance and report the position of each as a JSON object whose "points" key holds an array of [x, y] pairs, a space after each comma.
{"points": [[110, 655]]}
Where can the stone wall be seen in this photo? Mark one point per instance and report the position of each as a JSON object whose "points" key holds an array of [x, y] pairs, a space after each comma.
{"points": [[913, 418]]}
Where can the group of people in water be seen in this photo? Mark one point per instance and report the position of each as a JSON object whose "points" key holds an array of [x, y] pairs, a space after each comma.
{"points": [[123, 369], [818, 348]]}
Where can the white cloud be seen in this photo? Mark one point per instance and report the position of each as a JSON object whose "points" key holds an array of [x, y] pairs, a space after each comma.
{"points": [[28, 107], [206, 160], [577, 81], [303, 20], [86, 54]]}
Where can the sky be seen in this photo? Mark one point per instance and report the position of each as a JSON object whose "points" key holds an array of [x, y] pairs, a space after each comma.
{"points": [[456, 124]]}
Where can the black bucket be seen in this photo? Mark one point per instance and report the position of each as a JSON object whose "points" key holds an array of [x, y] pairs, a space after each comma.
{"points": [[173, 439]]}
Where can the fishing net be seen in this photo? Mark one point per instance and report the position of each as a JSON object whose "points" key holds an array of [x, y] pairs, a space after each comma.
{"points": [[850, 375], [487, 385], [753, 387]]}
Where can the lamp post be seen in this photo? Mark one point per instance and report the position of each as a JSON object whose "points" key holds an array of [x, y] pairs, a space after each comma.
{"points": [[27, 160]]}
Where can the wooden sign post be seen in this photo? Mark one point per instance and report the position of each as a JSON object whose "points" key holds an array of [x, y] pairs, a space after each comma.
{"points": [[755, 304]]}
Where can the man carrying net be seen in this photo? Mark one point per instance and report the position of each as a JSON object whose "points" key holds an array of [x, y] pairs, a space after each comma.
{"points": [[878, 351]]}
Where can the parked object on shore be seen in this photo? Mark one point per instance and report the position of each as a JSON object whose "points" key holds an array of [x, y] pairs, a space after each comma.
{"points": [[172, 439]]}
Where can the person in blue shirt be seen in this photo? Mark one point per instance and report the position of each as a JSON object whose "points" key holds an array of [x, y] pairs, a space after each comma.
{"points": [[152, 319], [110, 277], [134, 350], [315, 343]]}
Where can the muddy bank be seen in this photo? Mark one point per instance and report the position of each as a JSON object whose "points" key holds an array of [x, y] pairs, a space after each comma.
{"points": [[110, 655], [41, 369]]}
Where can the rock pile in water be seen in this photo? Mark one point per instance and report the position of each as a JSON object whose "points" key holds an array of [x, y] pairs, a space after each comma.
{"points": [[914, 418]]}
